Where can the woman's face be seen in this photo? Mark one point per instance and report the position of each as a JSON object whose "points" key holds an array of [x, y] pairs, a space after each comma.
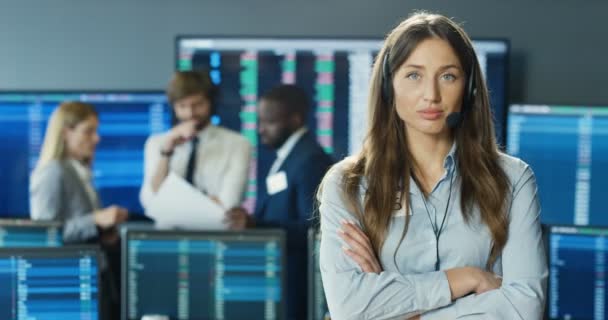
{"points": [[80, 141], [428, 86]]}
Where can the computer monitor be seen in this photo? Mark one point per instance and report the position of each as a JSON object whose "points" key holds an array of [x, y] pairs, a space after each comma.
{"points": [[28, 233], [126, 119], [566, 147], [203, 275], [49, 283], [334, 72], [577, 272], [317, 305]]}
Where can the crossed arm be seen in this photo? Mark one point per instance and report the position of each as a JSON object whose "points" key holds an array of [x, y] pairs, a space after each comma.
{"points": [[356, 287]]}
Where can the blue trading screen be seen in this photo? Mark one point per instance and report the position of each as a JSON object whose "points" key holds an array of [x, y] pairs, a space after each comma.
{"points": [[567, 147], [318, 309], [49, 284], [577, 283], [203, 276], [30, 236], [334, 72], [125, 121]]}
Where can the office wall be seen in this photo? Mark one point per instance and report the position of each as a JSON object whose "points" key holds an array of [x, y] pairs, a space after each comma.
{"points": [[559, 47]]}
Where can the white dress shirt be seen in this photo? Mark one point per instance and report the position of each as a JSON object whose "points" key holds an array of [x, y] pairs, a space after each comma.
{"points": [[221, 167], [285, 149], [409, 284]]}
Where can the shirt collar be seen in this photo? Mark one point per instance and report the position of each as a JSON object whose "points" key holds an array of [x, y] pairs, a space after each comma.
{"points": [[205, 132], [449, 164], [285, 149], [83, 171]]}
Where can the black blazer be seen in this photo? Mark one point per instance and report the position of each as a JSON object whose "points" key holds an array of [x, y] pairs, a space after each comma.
{"points": [[291, 210]]}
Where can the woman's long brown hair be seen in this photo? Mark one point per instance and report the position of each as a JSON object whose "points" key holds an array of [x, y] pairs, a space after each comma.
{"points": [[385, 161]]}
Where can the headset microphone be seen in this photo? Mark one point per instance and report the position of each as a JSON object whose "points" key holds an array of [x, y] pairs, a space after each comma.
{"points": [[453, 119]]}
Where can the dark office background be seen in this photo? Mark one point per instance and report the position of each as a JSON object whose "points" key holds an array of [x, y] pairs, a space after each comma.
{"points": [[559, 47]]}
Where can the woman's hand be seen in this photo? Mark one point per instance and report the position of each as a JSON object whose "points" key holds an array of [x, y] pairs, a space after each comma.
{"points": [[487, 281], [110, 216], [359, 247], [465, 280]]}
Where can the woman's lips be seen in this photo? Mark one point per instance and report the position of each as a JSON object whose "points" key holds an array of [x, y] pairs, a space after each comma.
{"points": [[431, 114]]}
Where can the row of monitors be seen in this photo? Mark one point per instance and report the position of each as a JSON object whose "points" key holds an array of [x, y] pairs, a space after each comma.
{"points": [[566, 146], [180, 275], [335, 73], [563, 144], [229, 275]]}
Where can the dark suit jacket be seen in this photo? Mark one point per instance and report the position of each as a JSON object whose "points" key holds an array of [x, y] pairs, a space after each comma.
{"points": [[291, 210]]}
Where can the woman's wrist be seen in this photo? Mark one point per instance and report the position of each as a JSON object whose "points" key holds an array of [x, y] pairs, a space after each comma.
{"points": [[462, 281]]}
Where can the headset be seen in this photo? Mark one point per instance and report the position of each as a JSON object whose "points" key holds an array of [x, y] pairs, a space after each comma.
{"points": [[454, 118]]}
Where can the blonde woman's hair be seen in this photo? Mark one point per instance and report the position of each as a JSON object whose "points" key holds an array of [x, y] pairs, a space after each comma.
{"points": [[67, 115]]}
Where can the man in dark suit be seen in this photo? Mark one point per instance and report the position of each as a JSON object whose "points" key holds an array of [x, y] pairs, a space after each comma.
{"points": [[287, 200]]}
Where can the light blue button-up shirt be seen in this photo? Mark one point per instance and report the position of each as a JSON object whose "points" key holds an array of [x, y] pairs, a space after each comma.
{"points": [[409, 284]]}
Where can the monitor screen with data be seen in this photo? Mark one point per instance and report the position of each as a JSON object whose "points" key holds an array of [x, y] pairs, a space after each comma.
{"points": [[567, 148], [334, 72], [203, 275], [49, 283], [577, 272], [317, 305], [28, 233], [126, 119]]}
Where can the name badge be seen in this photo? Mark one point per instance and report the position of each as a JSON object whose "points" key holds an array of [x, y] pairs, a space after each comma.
{"points": [[276, 183]]}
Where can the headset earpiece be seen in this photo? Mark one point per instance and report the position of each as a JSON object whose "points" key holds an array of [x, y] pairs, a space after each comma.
{"points": [[387, 86], [470, 91]]}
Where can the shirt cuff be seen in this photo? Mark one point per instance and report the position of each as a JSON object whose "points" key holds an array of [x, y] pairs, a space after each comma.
{"points": [[432, 290], [90, 228]]}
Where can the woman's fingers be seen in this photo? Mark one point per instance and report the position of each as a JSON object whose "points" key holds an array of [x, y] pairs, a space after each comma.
{"points": [[356, 234], [359, 248], [366, 264]]}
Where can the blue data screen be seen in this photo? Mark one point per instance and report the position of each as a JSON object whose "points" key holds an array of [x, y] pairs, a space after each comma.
{"points": [[567, 147], [125, 122], [213, 278], [320, 311], [335, 74], [30, 236], [46, 285], [577, 283]]}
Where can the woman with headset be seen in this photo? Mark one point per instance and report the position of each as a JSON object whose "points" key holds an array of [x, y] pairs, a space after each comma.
{"points": [[430, 220]]}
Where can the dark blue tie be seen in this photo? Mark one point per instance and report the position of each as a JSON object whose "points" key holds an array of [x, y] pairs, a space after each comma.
{"points": [[192, 162]]}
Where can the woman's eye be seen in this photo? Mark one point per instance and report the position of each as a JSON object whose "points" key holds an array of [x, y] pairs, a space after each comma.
{"points": [[413, 76], [449, 77]]}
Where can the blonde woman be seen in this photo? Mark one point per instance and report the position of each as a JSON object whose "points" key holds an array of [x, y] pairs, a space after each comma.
{"points": [[430, 220], [61, 185]]}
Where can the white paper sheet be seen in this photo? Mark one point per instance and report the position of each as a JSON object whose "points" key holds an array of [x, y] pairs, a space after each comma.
{"points": [[177, 204]]}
